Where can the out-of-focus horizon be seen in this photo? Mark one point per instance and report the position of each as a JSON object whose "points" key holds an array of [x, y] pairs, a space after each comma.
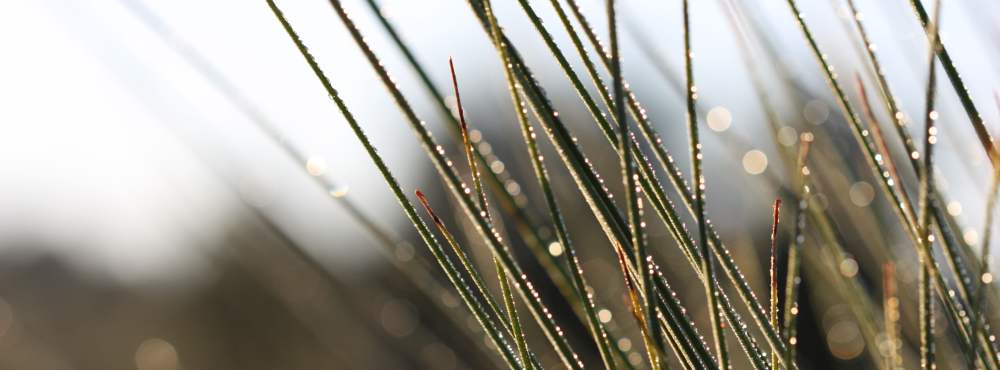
{"points": [[123, 167]]}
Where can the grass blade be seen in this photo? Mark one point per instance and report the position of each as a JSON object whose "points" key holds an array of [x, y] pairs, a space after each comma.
{"points": [[707, 264], [927, 355], [651, 334], [976, 119], [508, 298]]}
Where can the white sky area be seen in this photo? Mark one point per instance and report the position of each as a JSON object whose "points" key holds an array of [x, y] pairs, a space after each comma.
{"points": [[105, 131]]}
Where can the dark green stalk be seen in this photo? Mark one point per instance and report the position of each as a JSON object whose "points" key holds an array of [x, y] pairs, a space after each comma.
{"points": [[707, 265], [632, 201], [927, 355], [464, 289]]}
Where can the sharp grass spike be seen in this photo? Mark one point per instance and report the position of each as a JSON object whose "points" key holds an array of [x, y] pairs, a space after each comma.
{"points": [[508, 298]]}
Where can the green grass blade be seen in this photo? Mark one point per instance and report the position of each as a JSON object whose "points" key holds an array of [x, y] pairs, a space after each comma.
{"points": [[508, 298], [927, 346], [707, 263], [633, 203]]}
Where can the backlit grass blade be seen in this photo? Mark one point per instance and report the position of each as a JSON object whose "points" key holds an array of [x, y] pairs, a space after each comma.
{"points": [[397, 251], [707, 263], [976, 119], [465, 290], [927, 347], [508, 298], [651, 332]]}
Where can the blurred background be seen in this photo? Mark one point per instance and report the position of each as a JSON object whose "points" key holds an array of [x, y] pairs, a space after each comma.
{"points": [[148, 222]]}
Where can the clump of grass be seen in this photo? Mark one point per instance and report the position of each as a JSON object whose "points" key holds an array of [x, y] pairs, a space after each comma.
{"points": [[662, 321]]}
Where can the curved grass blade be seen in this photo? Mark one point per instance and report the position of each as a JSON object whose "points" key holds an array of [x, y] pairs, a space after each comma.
{"points": [[466, 291]]}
